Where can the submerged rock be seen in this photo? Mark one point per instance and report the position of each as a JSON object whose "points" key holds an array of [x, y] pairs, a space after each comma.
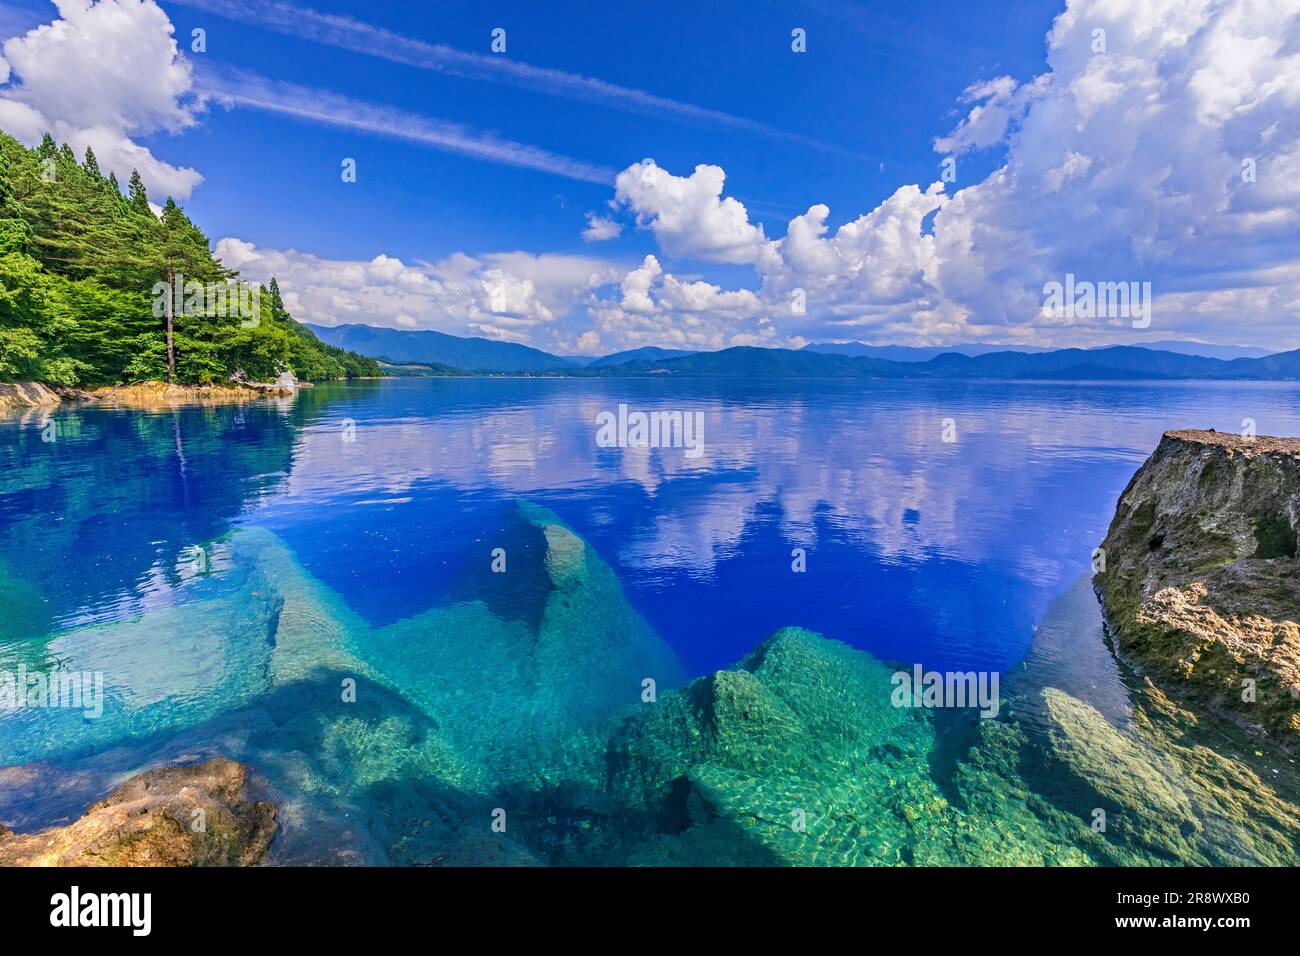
{"points": [[219, 640], [197, 815], [509, 679], [798, 757], [402, 744], [1201, 584], [1141, 790]]}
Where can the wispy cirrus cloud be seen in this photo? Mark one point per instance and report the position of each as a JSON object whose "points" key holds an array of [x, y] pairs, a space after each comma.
{"points": [[349, 34], [242, 88]]}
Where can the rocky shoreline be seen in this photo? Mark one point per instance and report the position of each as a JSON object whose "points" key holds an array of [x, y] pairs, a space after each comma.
{"points": [[1200, 581], [24, 396]]}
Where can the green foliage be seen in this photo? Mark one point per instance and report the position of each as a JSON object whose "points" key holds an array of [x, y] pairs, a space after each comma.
{"points": [[83, 274], [20, 351]]}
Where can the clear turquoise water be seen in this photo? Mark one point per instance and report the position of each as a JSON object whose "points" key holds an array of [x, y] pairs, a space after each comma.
{"points": [[222, 566]]}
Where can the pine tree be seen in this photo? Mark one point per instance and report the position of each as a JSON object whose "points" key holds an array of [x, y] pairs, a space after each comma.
{"points": [[277, 304], [79, 262], [183, 255], [136, 193]]}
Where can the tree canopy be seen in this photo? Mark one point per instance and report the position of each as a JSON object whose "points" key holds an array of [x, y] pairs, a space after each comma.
{"points": [[80, 268]]}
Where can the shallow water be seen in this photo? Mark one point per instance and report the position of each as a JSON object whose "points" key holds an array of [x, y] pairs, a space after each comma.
{"points": [[225, 569]]}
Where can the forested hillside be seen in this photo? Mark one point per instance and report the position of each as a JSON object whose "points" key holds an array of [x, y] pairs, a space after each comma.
{"points": [[80, 261]]}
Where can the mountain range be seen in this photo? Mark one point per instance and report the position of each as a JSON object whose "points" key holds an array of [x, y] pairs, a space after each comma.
{"points": [[439, 348], [446, 354], [1116, 362], [911, 353]]}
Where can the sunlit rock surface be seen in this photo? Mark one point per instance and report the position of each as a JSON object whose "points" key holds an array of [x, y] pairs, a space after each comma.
{"points": [[26, 395], [196, 815], [1202, 584], [153, 395]]}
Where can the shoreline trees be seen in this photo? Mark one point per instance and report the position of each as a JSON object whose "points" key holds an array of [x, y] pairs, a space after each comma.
{"points": [[78, 262]]}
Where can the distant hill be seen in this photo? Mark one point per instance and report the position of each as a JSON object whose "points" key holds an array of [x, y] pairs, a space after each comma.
{"points": [[1116, 362], [753, 362], [438, 348], [912, 353], [649, 353], [1226, 352], [418, 369], [437, 353]]}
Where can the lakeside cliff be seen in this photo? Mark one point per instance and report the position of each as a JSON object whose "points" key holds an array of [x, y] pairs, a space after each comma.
{"points": [[1201, 584]]}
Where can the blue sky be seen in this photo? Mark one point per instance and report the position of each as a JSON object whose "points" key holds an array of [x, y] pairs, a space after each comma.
{"points": [[477, 171], [883, 107]]}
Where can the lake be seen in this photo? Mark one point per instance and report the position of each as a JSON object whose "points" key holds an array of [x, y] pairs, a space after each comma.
{"points": [[949, 525]]}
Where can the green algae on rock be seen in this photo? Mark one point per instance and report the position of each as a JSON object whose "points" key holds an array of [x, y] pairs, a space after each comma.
{"points": [[798, 757], [509, 689], [1139, 788], [1201, 582]]}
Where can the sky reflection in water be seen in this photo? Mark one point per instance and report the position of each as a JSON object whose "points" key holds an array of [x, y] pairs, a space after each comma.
{"points": [[918, 550]]}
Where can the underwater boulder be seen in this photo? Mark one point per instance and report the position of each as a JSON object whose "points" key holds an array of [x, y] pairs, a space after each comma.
{"points": [[314, 630], [196, 815], [1140, 788], [510, 680], [796, 701], [778, 759], [213, 642]]}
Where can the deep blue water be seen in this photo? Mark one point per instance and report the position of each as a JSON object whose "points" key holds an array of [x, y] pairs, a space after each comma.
{"points": [[917, 549]]}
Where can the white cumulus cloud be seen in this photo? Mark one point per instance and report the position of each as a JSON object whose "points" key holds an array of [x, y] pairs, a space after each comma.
{"points": [[688, 214], [99, 75], [601, 228], [1161, 145], [511, 296]]}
